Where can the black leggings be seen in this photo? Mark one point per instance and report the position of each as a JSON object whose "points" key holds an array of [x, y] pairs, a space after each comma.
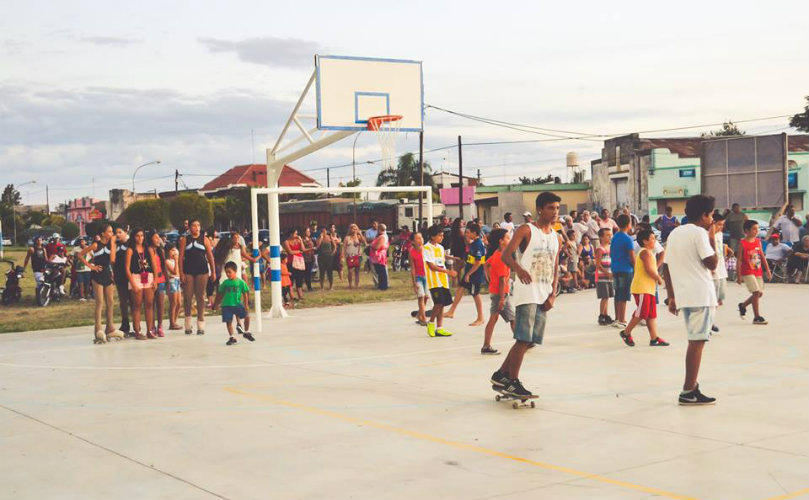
{"points": [[297, 276], [308, 274]]}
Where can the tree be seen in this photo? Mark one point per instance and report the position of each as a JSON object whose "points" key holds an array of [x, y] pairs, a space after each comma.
{"points": [[69, 230], [147, 214], [36, 217], [237, 210], [188, 206], [54, 220], [351, 183], [540, 180], [94, 227], [11, 196], [405, 174], [801, 120], [220, 213], [728, 129]]}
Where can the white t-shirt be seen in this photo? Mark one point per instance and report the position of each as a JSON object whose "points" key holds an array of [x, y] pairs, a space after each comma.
{"points": [[777, 252], [580, 228], [538, 259], [789, 231], [592, 230], [80, 267], [508, 226], [721, 271], [657, 251], [693, 284]]}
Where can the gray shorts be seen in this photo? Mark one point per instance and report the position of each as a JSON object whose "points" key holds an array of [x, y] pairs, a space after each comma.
{"points": [[720, 287], [530, 323], [604, 289], [698, 322], [508, 311]]}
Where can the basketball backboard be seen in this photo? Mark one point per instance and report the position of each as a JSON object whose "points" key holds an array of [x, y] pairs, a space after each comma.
{"points": [[352, 89]]}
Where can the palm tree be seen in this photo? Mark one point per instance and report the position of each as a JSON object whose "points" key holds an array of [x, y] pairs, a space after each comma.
{"points": [[405, 174]]}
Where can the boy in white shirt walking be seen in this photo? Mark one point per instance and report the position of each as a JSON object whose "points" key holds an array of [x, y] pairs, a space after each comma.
{"points": [[691, 257]]}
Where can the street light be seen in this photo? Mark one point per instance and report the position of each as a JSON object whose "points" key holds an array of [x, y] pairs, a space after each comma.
{"points": [[14, 209], [157, 162]]}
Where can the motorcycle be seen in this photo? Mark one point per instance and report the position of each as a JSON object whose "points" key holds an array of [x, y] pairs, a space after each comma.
{"points": [[12, 291], [400, 257], [49, 288]]}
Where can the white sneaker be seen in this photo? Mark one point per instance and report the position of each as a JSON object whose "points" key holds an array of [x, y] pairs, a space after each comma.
{"points": [[618, 324], [62, 289], [82, 299]]}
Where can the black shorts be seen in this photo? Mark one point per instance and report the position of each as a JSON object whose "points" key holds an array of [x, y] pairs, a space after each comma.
{"points": [[472, 288], [441, 296], [103, 277]]}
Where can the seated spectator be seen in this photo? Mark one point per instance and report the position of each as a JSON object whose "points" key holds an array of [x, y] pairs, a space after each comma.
{"points": [[777, 252], [799, 258]]}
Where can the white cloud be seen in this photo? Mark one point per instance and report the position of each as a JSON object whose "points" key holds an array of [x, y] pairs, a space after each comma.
{"points": [[268, 51]]}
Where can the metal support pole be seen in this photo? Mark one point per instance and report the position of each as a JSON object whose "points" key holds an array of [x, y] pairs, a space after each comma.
{"points": [[421, 181], [256, 268], [274, 224], [460, 179]]}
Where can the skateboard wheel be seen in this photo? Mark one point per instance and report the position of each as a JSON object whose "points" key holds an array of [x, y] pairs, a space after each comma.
{"points": [[533, 405], [515, 405], [497, 398]]}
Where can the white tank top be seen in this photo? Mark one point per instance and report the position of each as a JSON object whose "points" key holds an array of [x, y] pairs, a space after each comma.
{"points": [[235, 256], [538, 259]]}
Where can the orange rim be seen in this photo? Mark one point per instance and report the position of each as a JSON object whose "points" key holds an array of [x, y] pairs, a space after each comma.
{"points": [[376, 122]]}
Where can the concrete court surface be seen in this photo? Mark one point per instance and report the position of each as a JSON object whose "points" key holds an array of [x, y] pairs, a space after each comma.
{"points": [[358, 402]]}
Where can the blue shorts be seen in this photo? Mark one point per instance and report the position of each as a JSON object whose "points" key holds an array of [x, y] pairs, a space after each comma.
{"points": [[174, 285], [529, 325], [698, 322], [622, 283], [161, 287], [83, 278], [421, 286], [229, 311]]}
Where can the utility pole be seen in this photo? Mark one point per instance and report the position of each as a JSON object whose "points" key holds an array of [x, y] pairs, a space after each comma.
{"points": [[47, 201], [328, 178], [460, 179], [421, 180], [176, 180]]}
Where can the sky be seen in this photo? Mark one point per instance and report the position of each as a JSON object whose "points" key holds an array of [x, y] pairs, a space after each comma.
{"points": [[89, 90]]}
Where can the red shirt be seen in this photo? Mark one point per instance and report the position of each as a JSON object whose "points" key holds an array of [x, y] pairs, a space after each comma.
{"points": [[752, 255], [417, 261], [497, 270], [55, 249]]}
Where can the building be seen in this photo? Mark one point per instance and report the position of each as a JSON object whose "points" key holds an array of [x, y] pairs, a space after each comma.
{"points": [[254, 175], [122, 198], [494, 201], [81, 211], [620, 177], [446, 180]]}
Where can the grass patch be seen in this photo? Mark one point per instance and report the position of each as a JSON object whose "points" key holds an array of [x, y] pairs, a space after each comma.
{"points": [[27, 315]]}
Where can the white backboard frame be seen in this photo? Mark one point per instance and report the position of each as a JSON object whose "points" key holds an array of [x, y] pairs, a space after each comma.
{"points": [[352, 89]]}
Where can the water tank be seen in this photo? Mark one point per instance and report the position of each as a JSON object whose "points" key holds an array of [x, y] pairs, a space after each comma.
{"points": [[572, 160]]}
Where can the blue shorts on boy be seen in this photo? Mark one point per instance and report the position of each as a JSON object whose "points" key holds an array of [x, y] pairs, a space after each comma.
{"points": [[229, 311]]}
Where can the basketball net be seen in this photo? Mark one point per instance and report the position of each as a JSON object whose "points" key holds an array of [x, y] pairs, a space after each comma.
{"points": [[386, 127]]}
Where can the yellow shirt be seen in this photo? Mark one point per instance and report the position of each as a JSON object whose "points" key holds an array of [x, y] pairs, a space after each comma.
{"points": [[435, 254], [642, 282]]}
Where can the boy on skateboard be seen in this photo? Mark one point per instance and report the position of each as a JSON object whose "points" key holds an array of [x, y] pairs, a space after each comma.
{"points": [[533, 255]]}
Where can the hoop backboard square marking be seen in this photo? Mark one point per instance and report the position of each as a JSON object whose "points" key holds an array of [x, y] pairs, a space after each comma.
{"points": [[368, 104], [350, 90]]}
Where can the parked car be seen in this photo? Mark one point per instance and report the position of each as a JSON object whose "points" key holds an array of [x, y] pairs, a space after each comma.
{"points": [[172, 237]]}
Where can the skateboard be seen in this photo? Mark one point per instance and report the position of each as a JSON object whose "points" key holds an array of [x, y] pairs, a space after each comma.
{"points": [[517, 402]]}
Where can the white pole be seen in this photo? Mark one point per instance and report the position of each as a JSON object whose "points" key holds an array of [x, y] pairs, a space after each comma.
{"points": [[429, 196], [274, 225], [256, 267]]}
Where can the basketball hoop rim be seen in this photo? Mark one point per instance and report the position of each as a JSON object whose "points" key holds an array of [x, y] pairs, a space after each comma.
{"points": [[376, 122]]}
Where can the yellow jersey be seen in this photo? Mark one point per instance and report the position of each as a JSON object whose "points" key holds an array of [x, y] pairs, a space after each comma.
{"points": [[641, 281], [435, 254]]}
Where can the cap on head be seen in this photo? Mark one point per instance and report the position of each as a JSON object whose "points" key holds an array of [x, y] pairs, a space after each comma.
{"points": [[526, 214]]}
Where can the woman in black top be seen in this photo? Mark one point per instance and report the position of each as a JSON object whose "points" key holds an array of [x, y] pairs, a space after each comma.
{"points": [[120, 279], [196, 262], [139, 271], [100, 267]]}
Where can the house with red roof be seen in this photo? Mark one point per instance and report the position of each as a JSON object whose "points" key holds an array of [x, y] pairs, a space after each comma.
{"points": [[255, 175]]}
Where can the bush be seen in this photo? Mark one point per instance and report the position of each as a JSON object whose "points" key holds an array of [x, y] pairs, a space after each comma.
{"points": [[190, 206], [69, 230], [148, 214], [92, 228]]}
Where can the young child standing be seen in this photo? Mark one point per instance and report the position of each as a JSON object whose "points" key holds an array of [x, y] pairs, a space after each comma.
{"points": [[234, 295], [720, 274], [418, 275], [604, 288], [752, 265], [690, 258], [437, 281], [643, 288], [499, 275], [534, 294], [286, 281]]}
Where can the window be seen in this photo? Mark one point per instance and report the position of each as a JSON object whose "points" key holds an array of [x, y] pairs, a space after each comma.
{"points": [[408, 211], [796, 199], [792, 180]]}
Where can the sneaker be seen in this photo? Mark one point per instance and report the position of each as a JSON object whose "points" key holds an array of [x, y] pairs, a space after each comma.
{"points": [[124, 328], [642, 322], [231, 341], [442, 333], [82, 299], [151, 334], [200, 332], [618, 324], [161, 332], [189, 332], [759, 321], [515, 388], [140, 336], [607, 319], [431, 329], [695, 398], [62, 290], [489, 350], [601, 320], [658, 342], [627, 338], [249, 336], [239, 329], [499, 379], [742, 310], [715, 329]]}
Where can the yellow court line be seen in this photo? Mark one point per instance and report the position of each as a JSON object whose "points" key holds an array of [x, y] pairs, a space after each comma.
{"points": [[459, 445], [794, 494]]}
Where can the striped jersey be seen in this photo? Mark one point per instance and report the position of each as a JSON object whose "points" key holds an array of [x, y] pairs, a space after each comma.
{"points": [[435, 254]]}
